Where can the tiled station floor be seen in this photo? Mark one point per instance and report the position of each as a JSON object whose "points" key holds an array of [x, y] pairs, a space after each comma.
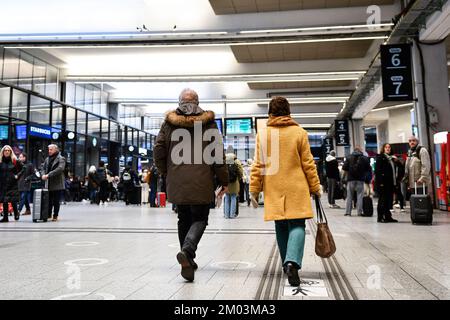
{"points": [[128, 252]]}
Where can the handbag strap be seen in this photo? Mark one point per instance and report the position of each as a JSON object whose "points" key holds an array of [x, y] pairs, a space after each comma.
{"points": [[321, 216]]}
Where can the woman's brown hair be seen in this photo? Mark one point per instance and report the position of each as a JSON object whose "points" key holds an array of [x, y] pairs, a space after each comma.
{"points": [[279, 106], [384, 146]]}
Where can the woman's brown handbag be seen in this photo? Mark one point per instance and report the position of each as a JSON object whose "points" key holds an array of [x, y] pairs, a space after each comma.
{"points": [[325, 246]]}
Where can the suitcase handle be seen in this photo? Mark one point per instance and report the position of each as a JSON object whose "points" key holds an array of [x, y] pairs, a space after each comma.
{"points": [[423, 188]]}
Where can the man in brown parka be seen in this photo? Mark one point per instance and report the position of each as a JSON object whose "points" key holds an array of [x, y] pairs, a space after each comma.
{"points": [[189, 152]]}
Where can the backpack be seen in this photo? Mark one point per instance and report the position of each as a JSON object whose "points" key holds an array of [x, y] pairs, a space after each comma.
{"points": [[356, 168], [126, 176], [233, 172]]}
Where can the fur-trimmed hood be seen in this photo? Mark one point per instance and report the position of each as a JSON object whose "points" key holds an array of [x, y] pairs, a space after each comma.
{"points": [[281, 121], [188, 121]]}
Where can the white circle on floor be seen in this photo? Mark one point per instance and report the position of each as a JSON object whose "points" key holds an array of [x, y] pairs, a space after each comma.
{"points": [[232, 265], [105, 296], [79, 262], [177, 245], [82, 244]]}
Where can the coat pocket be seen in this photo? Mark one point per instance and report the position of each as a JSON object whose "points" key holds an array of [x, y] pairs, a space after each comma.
{"points": [[278, 205]]}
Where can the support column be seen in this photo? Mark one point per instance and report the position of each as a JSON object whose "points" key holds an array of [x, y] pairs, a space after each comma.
{"points": [[113, 110], [432, 108]]}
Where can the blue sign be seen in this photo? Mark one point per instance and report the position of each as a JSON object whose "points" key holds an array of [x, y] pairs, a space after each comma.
{"points": [[3, 132], [21, 131], [41, 131]]}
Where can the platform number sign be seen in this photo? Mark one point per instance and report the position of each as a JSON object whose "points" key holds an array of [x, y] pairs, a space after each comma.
{"points": [[327, 145], [342, 134], [396, 72]]}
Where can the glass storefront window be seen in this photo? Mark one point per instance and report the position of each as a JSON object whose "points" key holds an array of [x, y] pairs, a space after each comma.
{"points": [[39, 74], [4, 130], [70, 119], [11, 66], [51, 82], [57, 116], [88, 98], [141, 139], [130, 141], [80, 165], [25, 70], [40, 110], [79, 96], [70, 93], [19, 104], [105, 129], [4, 100], [114, 131], [81, 122], [93, 125]]}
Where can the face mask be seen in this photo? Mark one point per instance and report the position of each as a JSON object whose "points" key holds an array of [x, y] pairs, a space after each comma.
{"points": [[189, 108]]}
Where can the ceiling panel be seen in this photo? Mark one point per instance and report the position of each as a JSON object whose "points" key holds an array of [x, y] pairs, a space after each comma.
{"points": [[302, 51], [298, 84], [253, 6]]}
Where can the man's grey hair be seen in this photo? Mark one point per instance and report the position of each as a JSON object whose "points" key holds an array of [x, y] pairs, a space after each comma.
{"points": [[187, 92], [53, 146], [413, 138]]}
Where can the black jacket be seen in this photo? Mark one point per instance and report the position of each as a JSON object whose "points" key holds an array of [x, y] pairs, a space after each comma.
{"points": [[25, 176], [9, 187], [384, 174], [363, 167], [332, 168]]}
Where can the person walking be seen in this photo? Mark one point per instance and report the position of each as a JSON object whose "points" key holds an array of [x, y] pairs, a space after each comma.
{"points": [[154, 177], [145, 179], [417, 168], [92, 184], [385, 183], [235, 173], [356, 168], [333, 178], [101, 177], [25, 177], [129, 179], [10, 168], [190, 180], [53, 173], [288, 177]]}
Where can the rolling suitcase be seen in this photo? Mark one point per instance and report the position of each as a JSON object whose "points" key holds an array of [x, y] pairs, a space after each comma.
{"points": [[367, 206], [161, 198], [135, 197], [421, 207], [41, 202]]}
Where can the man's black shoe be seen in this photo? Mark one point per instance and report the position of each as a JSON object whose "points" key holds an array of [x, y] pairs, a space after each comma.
{"points": [[292, 274], [390, 220], [187, 270]]}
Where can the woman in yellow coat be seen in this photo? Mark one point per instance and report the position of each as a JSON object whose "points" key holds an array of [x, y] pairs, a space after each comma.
{"points": [[284, 169]]}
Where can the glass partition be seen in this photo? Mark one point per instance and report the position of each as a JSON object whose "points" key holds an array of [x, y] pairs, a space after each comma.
{"points": [[70, 119], [25, 70], [57, 116], [40, 110], [93, 125], [11, 66], [114, 131], [51, 82], [4, 100], [81, 122], [39, 74], [105, 128], [19, 104], [80, 166]]}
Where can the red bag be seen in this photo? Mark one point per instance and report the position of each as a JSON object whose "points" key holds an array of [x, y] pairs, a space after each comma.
{"points": [[161, 199]]}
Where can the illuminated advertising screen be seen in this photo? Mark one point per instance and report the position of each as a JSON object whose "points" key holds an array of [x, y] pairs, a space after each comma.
{"points": [[3, 132], [21, 131], [238, 126]]}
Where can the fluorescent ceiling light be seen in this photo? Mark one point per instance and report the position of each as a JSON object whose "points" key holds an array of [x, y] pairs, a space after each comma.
{"points": [[397, 106], [303, 80], [357, 26], [267, 42]]}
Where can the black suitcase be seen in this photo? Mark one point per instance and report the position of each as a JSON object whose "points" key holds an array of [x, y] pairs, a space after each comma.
{"points": [[41, 202], [421, 208], [367, 206], [136, 195]]}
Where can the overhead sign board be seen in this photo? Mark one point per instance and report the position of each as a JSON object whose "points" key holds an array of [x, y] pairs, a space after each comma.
{"points": [[341, 133], [396, 72]]}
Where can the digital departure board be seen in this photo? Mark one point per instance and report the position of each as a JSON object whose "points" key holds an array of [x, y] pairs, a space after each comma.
{"points": [[238, 126], [3, 132]]}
